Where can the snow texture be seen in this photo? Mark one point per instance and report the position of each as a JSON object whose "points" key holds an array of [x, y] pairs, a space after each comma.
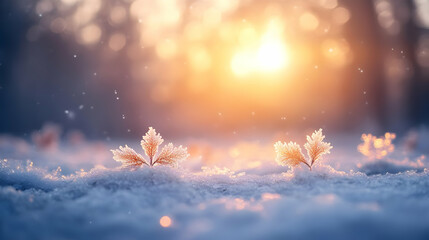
{"points": [[102, 201]]}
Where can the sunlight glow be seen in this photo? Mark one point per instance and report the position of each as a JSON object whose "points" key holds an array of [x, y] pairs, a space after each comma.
{"points": [[269, 55]]}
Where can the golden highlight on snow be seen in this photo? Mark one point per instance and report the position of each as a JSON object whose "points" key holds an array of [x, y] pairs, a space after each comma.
{"points": [[290, 154], [169, 154]]}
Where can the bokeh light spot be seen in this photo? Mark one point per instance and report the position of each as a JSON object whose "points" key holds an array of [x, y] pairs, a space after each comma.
{"points": [[117, 41], [308, 22], [90, 34], [165, 221]]}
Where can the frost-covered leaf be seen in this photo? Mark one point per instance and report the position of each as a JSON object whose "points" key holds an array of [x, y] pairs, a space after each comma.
{"points": [[289, 154], [151, 142], [316, 147], [128, 157], [171, 155]]}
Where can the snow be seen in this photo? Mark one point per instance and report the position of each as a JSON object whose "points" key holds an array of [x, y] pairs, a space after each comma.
{"points": [[337, 200]]}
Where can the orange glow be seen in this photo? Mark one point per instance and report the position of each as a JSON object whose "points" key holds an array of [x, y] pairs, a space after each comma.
{"points": [[165, 221], [341, 15], [90, 34], [271, 54], [378, 143], [377, 148], [308, 22], [268, 56], [199, 59], [337, 52], [329, 4], [211, 50], [270, 196], [166, 49]]}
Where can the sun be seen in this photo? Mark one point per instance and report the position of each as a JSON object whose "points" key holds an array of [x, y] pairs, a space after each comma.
{"points": [[272, 55], [269, 55]]}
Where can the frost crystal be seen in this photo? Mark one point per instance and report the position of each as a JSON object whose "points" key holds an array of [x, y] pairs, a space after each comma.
{"points": [[290, 154], [150, 143], [316, 147], [169, 154], [128, 157]]}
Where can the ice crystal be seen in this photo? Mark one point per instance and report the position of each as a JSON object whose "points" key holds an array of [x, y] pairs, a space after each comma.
{"points": [[316, 147], [169, 154], [128, 157], [150, 143], [290, 154]]}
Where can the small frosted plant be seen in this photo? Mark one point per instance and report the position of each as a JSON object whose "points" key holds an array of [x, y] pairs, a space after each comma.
{"points": [[290, 154], [169, 154]]}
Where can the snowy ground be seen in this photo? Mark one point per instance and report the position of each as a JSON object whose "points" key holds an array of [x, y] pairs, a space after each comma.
{"points": [[344, 197]]}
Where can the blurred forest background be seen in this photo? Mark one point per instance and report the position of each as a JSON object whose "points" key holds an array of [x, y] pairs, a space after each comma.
{"points": [[113, 68]]}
